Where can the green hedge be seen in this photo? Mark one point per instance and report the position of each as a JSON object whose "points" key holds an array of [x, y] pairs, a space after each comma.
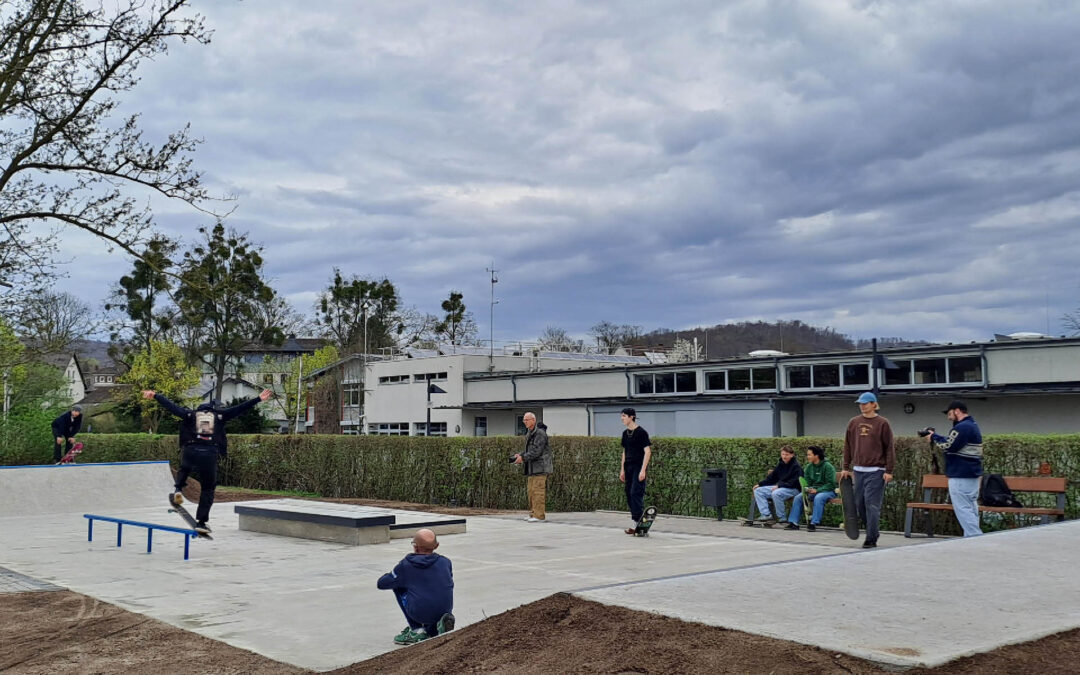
{"points": [[476, 471]]}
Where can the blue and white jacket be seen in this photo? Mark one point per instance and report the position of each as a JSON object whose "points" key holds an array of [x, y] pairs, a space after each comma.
{"points": [[963, 449]]}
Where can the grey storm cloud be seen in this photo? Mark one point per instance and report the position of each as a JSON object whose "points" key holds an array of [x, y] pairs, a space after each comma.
{"points": [[885, 168]]}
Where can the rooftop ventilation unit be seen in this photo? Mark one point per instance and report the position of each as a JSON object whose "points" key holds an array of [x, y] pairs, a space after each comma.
{"points": [[764, 353]]}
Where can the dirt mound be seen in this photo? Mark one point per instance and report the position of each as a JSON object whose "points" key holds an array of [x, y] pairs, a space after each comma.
{"points": [[562, 633], [64, 632]]}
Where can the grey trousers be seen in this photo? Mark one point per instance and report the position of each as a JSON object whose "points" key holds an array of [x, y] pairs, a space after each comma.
{"points": [[869, 493]]}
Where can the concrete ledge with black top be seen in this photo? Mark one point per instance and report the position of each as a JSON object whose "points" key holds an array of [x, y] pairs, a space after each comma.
{"points": [[1029, 484], [341, 523]]}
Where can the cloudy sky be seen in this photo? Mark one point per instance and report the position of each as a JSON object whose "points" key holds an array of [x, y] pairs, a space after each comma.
{"points": [[898, 168]]}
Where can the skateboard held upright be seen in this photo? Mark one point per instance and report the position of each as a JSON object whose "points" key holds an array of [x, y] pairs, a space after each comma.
{"points": [[643, 525], [851, 514], [69, 458], [175, 506]]}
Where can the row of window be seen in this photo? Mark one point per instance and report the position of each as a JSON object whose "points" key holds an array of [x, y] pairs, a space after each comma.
{"points": [[418, 377], [402, 429], [948, 370]]}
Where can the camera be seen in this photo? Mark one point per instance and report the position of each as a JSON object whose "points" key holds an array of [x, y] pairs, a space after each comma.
{"points": [[925, 432]]}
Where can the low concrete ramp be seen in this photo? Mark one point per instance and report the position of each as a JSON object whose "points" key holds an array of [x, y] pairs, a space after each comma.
{"points": [[83, 488]]}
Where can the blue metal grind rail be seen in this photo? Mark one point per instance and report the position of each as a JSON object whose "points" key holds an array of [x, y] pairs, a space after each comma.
{"points": [[150, 527]]}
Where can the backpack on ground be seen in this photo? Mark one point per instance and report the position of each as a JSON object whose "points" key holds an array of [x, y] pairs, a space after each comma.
{"points": [[995, 492]]}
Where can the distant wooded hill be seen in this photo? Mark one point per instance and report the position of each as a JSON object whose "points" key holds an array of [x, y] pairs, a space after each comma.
{"points": [[739, 339]]}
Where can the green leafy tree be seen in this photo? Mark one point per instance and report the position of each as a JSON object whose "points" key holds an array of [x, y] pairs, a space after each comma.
{"points": [[458, 325], [347, 304], [141, 300], [251, 421], [68, 160], [163, 368], [30, 395], [221, 290]]}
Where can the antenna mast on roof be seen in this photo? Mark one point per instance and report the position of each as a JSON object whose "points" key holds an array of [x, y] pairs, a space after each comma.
{"points": [[491, 320]]}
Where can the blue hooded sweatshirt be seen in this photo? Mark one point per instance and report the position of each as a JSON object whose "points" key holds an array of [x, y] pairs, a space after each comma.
{"points": [[426, 582], [963, 449]]}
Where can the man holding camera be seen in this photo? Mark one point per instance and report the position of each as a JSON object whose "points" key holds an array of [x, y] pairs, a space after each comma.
{"points": [[537, 464], [963, 449]]}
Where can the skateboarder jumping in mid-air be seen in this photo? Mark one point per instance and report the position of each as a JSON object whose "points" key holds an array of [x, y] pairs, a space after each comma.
{"points": [[202, 441]]}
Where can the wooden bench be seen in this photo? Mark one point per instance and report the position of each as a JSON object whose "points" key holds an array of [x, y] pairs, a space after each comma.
{"points": [[753, 503], [931, 482]]}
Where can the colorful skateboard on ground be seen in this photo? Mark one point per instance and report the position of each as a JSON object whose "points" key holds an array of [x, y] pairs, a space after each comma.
{"points": [[173, 506], [851, 514], [643, 525], [69, 458]]}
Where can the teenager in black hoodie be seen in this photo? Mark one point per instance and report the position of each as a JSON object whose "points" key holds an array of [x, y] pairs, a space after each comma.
{"points": [[202, 441], [780, 485]]}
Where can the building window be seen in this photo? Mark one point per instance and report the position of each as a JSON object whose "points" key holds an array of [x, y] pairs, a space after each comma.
{"points": [[965, 369], [268, 378], [480, 426], [856, 374], [283, 376], [901, 375], [430, 377], [716, 381], [394, 379], [930, 371], [739, 379], [798, 377], [686, 382], [350, 430], [664, 383], [389, 429], [437, 429], [763, 378], [667, 383], [827, 375], [644, 383], [519, 425], [351, 395]]}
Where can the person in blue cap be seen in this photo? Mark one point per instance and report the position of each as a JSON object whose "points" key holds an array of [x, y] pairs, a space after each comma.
{"points": [[869, 457]]}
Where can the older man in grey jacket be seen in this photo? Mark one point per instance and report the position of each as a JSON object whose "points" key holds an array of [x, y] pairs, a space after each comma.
{"points": [[537, 464]]}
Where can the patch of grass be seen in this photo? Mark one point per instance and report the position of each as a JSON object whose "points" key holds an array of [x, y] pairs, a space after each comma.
{"points": [[277, 493]]}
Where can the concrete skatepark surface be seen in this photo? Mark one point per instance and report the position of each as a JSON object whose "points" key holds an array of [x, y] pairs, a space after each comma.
{"points": [[314, 604]]}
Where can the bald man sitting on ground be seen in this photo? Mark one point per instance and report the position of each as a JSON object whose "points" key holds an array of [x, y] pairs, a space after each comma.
{"points": [[423, 583]]}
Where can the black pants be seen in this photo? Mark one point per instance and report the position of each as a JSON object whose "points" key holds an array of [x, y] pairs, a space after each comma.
{"points": [[635, 492], [58, 452], [202, 460]]}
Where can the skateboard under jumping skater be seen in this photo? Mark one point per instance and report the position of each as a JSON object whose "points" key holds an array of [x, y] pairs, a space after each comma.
{"points": [[177, 508], [851, 513], [69, 458], [643, 525]]}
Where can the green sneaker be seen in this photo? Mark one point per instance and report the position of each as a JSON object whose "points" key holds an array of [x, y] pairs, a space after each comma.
{"points": [[410, 636], [446, 623]]}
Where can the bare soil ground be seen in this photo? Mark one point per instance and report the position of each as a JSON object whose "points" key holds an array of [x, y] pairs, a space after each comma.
{"points": [[64, 632]]}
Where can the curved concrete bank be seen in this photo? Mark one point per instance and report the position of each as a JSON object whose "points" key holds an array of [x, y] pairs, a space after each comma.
{"points": [[83, 488]]}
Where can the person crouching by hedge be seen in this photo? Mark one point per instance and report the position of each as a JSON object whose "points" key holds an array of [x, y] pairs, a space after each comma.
{"points": [[537, 465], [423, 583]]}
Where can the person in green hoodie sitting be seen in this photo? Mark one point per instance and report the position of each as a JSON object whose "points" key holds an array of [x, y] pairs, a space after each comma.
{"points": [[821, 484]]}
